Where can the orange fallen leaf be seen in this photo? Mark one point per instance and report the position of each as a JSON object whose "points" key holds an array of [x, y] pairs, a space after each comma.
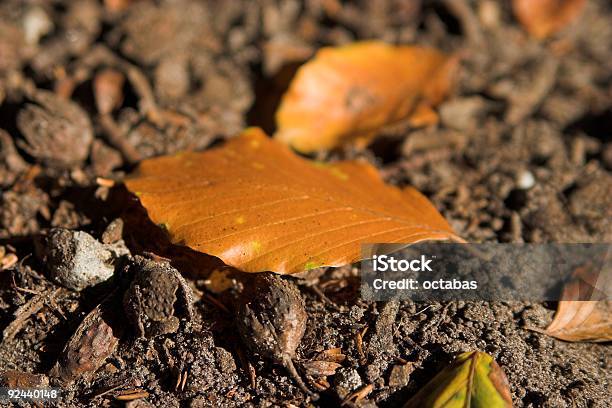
{"points": [[583, 320], [542, 18], [347, 94], [259, 207]]}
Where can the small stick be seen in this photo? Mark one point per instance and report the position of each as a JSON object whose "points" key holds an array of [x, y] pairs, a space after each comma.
{"points": [[116, 137], [288, 363]]}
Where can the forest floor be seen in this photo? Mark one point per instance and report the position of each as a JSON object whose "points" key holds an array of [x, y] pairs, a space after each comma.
{"points": [[522, 153]]}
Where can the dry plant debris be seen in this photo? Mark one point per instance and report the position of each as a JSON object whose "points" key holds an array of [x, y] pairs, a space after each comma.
{"points": [[157, 294], [542, 18], [96, 339], [259, 207], [473, 380], [271, 320], [584, 320], [89, 89], [348, 94]]}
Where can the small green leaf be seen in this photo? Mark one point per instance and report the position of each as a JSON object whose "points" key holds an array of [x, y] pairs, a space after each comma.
{"points": [[473, 380]]}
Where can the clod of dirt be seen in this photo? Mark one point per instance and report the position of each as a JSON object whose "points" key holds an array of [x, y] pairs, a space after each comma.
{"points": [[104, 158], [179, 25], [172, 80], [346, 381], [76, 260], [93, 342], [57, 131], [271, 320], [157, 296], [21, 210], [400, 375], [11, 164], [12, 45], [21, 379]]}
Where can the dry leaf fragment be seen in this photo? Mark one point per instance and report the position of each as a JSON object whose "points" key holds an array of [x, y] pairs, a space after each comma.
{"points": [[583, 320], [473, 380], [92, 343], [259, 207], [541, 18], [325, 363], [349, 93], [320, 368]]}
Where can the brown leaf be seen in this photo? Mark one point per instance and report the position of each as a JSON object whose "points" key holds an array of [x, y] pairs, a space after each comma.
{"points": [[348, 93], [334, 355], [325, 363], [541, 18], [583, 320], [259, 207]]}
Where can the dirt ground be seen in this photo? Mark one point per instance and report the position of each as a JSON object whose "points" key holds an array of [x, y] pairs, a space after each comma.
{"points": [[522, 154]]}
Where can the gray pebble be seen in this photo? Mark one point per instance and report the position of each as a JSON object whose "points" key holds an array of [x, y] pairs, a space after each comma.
{"points": [[76, 260]]}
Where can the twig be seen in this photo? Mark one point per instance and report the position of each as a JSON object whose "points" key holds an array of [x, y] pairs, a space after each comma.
{"points": [[469, 22], [527, 100], [116, 137]]}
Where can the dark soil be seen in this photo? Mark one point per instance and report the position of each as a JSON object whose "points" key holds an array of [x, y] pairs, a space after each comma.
{"points": [[522, 154]]}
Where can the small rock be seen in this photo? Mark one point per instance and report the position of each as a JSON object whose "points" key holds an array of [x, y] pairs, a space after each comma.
{"points": [[113, 232], [462, 113], [76, 260], [36, 23], [150, 301], [400, 375], [525, 180], [172, 80], [104, 159], [346, 381]]}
